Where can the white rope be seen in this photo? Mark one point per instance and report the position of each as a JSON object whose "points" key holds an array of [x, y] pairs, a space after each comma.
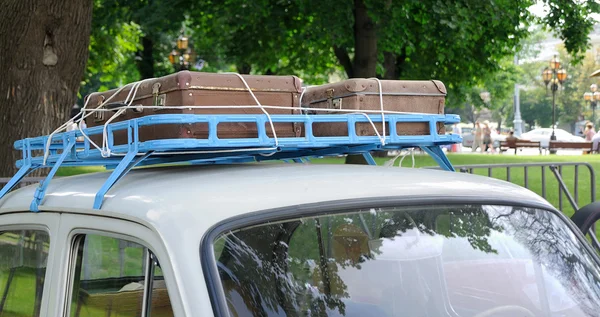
{"points": [[412, 154], [105, 151], [261, 107], [302, 95], [381, 139], [393, 161], [382, 110], [99, 108], [302, 110]]}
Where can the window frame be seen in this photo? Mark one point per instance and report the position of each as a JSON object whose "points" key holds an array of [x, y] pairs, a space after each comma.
{"points": [[49, 223], [209, 263], [77, 225]]}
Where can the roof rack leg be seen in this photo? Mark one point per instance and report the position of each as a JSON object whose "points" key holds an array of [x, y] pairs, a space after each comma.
{"points": [[40, 192], [123, 168], [369, 158], [439, 156]]}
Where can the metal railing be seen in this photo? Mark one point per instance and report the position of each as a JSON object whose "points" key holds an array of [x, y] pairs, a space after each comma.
{"points": [[555, 168]]}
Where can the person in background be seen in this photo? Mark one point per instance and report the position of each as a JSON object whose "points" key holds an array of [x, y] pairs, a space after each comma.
{"points": [[511, 136], [589, 131], [477, 138], [589, 134], [487, 137]]}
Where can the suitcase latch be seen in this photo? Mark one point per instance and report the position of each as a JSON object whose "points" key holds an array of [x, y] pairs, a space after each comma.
{"points": [[333, 103], [158, 100], [99, 115]]}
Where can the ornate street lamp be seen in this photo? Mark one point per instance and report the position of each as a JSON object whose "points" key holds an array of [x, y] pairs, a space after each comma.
{"points": [[182, 55], [555, 76], [593, 97]]}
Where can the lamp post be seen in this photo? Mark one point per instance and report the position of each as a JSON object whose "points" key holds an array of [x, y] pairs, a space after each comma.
{"points": [[593, 97], [182, 55], [555, 76]]}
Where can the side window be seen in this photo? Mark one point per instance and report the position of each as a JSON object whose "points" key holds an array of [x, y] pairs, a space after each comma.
{"points": [[113, 276], [23, 259]]}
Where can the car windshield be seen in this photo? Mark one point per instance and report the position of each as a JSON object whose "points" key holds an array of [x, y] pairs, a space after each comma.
{"points": [[462, 261]]}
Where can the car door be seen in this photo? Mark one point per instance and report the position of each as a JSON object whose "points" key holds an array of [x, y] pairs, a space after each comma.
{"points": [[28, 246], [114, 267]]}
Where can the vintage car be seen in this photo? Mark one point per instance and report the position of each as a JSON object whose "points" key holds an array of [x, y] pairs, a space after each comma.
{"points": [[293, 240]]}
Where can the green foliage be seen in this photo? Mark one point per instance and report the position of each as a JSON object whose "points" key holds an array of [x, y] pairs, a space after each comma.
{"points": [[272, 37], [121, 31], [111, 59], [468, 44], [458, 42], [571, 21]]}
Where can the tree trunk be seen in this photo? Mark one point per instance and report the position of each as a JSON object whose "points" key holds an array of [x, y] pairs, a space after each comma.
{"points": [[365, 42], [43, 51], [146, 63]]}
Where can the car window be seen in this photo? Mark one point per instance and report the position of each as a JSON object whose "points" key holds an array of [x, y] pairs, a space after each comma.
{"points": [[423, 261], [23, 260], [109, 279]]}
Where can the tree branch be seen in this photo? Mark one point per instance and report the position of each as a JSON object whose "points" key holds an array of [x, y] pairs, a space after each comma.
{"points": [[344, 58]]}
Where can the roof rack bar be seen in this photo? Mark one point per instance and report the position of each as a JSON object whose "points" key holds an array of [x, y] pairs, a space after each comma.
{"points": [[39, 143], [40, 192], [308, 141]]}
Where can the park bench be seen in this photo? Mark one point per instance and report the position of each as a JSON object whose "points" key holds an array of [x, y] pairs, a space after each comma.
{"points": [[517, 144], [584, 146]]}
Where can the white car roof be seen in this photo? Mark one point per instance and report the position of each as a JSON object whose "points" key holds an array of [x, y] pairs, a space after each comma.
{"points": [[176, 198]]}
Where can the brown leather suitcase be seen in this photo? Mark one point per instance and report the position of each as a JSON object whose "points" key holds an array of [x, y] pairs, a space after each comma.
{"points": [[186, 88], [413, 96]]}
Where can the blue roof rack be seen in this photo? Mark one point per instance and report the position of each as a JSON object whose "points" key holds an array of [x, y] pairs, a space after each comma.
{"points": [[65, 150]]}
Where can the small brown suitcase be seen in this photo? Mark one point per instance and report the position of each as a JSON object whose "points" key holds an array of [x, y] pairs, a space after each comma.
{"points": [[413, 96], [187, 88]]}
